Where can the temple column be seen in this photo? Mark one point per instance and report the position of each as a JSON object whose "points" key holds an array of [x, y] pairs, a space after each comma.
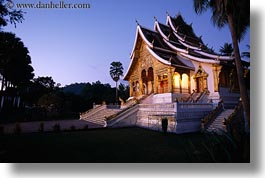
{"points": [[180, 83], [170, 80], [216, 72], [155, 84], [141, 87], [131, 88], [189, 83]]}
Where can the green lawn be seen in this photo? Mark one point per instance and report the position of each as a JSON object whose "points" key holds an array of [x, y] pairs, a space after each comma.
{"points": [[117, 145]]}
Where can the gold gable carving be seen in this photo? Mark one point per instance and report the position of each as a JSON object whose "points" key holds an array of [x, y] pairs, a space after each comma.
{"points": [[201, 73], [145, 61]]}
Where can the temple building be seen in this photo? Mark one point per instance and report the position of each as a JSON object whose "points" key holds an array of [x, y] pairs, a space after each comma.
{"points": [[172, 63], [176, 79]]}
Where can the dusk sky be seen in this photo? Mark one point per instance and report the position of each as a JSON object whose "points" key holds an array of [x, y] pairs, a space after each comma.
{"points": [[78, 45]]}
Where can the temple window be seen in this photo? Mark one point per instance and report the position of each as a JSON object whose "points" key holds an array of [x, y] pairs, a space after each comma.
{"points": [[143, 76], [150, 74], [165, 77], [176, 83], [185, 83]]}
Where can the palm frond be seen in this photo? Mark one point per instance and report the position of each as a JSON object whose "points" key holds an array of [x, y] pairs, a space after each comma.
{"points": [[200, 6]]}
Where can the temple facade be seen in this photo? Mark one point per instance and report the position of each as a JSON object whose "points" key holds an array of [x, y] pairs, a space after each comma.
{"points": [[175, 78], [172, 63]]}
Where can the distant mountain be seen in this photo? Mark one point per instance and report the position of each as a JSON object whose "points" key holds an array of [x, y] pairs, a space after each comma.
{"points": [[75, 88]]}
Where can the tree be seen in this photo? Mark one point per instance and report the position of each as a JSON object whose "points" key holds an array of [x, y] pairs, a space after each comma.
{"points": [[7, 15], [47, 82], [235, 14], [15, 62], [124, 91], [116, 71], [227, 49], [98, 92]]}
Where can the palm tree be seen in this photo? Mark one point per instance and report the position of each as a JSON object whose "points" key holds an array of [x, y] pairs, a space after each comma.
{"points": [[116, 71], [227, 49], [235, 14]]}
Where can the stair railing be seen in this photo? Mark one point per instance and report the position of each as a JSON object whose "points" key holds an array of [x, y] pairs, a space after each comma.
{"points": [[129, 103], [121, 114], [211, 116], [202, 95], [91, 112], [190, 98], [227, 123]]}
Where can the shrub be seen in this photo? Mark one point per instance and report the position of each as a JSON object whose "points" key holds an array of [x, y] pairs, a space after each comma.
{"points": [[85, 127], [72, 128], [57, 127], [17, 129], [41, 127], [2, 128]]}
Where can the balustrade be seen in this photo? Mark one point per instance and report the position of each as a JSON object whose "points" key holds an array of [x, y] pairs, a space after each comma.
{"points": [[227, 123], [210, 117]]}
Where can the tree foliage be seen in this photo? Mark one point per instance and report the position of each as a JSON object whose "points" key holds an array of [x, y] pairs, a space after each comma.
{"points": [[239, 10], [124, 91], [9, 15], [98, 92], [15, 62], [116, 70], [227, 49]]}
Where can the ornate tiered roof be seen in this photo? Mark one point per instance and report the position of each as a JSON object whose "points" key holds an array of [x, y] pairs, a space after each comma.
{"points": [[175, 44]]}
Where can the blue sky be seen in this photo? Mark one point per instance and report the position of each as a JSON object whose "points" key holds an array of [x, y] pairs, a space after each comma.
{"points": [[78, 45]]}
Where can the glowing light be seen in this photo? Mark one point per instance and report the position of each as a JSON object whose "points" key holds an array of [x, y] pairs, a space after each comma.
{"points": [[185, 81], [176, 79]]}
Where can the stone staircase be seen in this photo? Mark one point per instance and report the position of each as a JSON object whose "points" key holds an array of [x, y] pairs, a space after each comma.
{"points": [[216, 125], [125, 118], [99, 114], [230, 99]]}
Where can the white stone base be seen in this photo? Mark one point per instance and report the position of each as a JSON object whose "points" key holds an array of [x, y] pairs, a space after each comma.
{"points": [[163, 98]]}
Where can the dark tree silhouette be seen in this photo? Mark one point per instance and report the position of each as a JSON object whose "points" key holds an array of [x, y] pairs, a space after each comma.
{"points": [[124, 91], [15, 62], [235, 14], [227, 49], [46, 82], [97, 92], [116, 71], [9, 15]]}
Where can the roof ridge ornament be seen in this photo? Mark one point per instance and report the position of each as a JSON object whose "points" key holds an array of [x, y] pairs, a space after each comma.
{"points": [[201, 45], [137, 22], [155, 18], [170, 59]]}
